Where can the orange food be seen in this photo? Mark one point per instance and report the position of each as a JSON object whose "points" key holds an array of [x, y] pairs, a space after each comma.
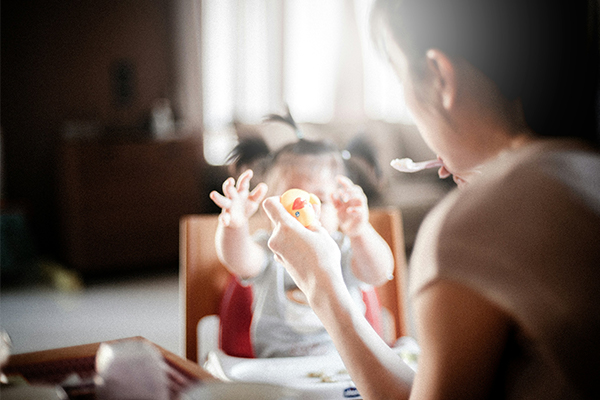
{"points": [[300, 204]]}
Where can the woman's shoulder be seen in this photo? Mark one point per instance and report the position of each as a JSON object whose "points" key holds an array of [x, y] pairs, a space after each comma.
{"points": [[545, 175], [517, 194], [523, 203], [524, 207]]}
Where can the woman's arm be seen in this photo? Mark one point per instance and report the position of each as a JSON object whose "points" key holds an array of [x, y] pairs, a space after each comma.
{"points": [[377, 371], [313, 260], [462, 337]]}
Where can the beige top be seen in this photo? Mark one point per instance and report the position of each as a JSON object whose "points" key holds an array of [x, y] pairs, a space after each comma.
{"points": [[526, 236]]}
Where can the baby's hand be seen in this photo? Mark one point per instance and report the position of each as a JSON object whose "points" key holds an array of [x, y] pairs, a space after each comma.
{"points": [[352, 208], [237, 202]]}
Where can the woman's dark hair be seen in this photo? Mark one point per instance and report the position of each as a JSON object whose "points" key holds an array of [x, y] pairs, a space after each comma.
{"points": [[544, 52]]}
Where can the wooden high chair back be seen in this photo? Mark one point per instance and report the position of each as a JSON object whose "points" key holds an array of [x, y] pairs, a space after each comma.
{"points": [[203, 279]]}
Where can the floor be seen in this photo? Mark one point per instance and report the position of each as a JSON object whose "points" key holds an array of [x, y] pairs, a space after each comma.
{"points": [[53, 314]]}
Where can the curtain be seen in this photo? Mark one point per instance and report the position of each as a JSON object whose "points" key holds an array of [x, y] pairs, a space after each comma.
{"points": [[243, 59]]}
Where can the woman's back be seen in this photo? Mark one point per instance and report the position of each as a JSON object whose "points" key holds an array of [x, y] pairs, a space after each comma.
{"points": [[526, 237]]}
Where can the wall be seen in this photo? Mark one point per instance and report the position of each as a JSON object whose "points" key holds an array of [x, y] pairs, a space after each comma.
{"points": [[57, 65]]}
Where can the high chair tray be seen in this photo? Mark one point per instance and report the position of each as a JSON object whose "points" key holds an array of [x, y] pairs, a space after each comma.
{"points": [[315, 377]]}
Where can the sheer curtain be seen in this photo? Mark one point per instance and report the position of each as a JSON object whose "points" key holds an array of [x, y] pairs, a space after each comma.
{"points": [[255, 56]]}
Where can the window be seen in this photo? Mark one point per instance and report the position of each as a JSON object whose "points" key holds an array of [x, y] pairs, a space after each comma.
{"points": [[315, 56]]}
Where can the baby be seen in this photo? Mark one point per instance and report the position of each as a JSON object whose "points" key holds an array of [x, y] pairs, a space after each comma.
{"points": [[283, 324]]}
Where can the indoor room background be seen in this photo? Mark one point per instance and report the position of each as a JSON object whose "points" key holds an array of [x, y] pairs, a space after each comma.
{"points": [[117, 118]]}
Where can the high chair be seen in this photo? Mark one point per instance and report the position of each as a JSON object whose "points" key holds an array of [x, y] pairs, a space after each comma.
{"points": [[207, 288]]}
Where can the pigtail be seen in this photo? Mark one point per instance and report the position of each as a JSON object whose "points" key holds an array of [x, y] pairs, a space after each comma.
{"points": [[286, 119], [302, 146], [362, 166], [251, 152]]}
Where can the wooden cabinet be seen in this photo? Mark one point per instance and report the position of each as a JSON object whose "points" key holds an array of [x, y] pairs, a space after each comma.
{"points": [[121, 201]]}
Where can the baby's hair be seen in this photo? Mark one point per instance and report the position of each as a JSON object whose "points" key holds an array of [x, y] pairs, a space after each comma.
{"points": [[286, 119], [251, 152], [358, 161]]}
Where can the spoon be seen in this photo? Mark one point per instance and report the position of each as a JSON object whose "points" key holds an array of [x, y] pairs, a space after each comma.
{"points": [[408, 165]]}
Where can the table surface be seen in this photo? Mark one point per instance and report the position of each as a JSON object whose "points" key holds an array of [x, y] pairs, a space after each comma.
{"points": [[53, 366]]}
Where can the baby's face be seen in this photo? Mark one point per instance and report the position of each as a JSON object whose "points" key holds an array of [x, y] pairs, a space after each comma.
{"points": [[319, 180]]}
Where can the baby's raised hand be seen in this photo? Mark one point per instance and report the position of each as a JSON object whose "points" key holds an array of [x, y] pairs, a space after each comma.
{"points": [[351, 204], [237, 202]]}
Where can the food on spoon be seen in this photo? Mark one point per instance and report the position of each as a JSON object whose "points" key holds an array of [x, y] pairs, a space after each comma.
{"points": [[408, 165]]}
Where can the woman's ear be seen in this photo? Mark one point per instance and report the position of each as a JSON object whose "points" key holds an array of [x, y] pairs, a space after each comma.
{"points": [[444, 77]]}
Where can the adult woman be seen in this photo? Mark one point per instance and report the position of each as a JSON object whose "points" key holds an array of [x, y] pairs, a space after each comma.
{"points": [[504, 275]]}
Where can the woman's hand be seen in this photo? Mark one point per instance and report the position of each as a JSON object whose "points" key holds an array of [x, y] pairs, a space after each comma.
{"points": [[352, 207], [310, 255], [237, 202]]}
